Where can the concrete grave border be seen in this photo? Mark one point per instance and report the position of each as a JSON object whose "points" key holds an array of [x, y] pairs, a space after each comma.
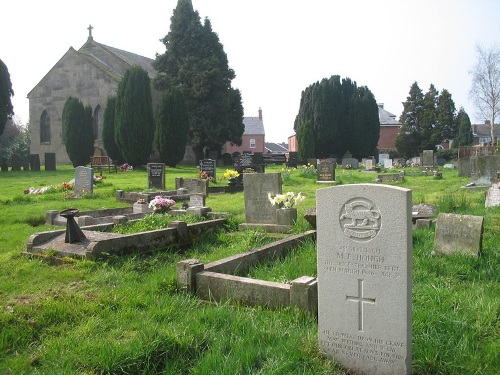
{"points": [[217, 281]]}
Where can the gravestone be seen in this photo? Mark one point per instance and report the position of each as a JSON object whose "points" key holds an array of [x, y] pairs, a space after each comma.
{"points": [[368, 164], [493, 196], [382, 157], [428, 158], [350, 161], [156, 176], [192, 185], [84, 180], [245, 165], [458, 234], [388, 163], [196, 200], [364, 244], [35, 162], [209, 167], [258, 160], [325, 171], [293, 158], [50, 161], [258, 209]]}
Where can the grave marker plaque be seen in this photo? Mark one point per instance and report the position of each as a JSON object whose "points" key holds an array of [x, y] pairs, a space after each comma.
{"points": [[209, 167], [326, 171], [364, 242], [156, 176], [84, 180]]}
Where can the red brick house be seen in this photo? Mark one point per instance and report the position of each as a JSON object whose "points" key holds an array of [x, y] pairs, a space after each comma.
{"points": [[389, 128], [253, 139]]}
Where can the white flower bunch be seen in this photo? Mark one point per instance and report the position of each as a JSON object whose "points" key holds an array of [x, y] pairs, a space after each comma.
{"points": [[287, 200]]}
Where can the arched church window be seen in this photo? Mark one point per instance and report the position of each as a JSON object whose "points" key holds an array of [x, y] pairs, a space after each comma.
{"points": [[97, 122], [45, 128]]}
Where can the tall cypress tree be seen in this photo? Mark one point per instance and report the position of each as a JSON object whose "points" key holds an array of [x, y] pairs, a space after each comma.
{"points": [[134, 122], [172, 127], [78, 132], [195, 62], [108, 131], [445, 118], [428, 135], [464, 129], [6, 92], [409, 137]]}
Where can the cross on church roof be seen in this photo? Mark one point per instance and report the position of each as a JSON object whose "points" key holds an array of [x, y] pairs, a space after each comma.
{"points": [[90, 31]]}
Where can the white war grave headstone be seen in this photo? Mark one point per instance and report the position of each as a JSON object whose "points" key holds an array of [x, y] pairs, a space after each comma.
{"points": [[364, 244]]}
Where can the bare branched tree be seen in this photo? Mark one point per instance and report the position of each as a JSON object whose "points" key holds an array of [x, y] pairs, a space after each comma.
{"points": [[485, 90]]}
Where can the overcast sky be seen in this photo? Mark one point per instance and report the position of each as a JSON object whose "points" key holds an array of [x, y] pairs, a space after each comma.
{"points": [[276, 47]]}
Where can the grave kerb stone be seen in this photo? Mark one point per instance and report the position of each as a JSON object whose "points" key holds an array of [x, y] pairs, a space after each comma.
{"points": [[364, 242]]}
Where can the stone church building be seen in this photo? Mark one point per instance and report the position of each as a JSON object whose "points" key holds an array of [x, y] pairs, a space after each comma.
{"points": [[90, 74]]}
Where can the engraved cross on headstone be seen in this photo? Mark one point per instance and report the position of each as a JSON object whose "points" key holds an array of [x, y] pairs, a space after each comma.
{"points": [[360, 300]]}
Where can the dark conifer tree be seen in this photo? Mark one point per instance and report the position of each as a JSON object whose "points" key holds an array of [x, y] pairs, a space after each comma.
{"points": [[172, 127], [108, 131], [409, 137], [134, 122], [342, 116], [428, 135], [78, 131], [445, 118], [464, 129], [6, 92], [305, 139], [195, 62]]}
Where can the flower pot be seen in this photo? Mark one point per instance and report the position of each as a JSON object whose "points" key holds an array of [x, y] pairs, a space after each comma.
{"points": [[286, 216]]}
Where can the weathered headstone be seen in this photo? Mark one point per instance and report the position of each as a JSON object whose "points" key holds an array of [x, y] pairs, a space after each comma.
{"points": [[428, 158], [368, 164], [458, 234], [388, 163], [350, 163], [326, 171], [364, 242], [382, 157], [50, 161], [196, 200], [84, 180], [193, 185], [156, 176], [493, 196], [258, 209], [293, 159], [35, 162], [209, 167]]}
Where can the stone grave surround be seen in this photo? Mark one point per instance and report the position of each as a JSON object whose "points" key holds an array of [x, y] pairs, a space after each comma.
{"points": [[364, 244]]}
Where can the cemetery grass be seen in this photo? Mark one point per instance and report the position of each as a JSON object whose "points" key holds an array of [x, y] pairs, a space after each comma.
{"points": [[125, 315]]}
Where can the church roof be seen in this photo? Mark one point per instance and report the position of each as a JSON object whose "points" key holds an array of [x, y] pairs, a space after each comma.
{"points": [[253, 125], [92, 49], [385, 117]]}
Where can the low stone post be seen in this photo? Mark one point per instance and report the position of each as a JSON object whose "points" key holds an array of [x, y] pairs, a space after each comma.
{"points": [[186, 274]]}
